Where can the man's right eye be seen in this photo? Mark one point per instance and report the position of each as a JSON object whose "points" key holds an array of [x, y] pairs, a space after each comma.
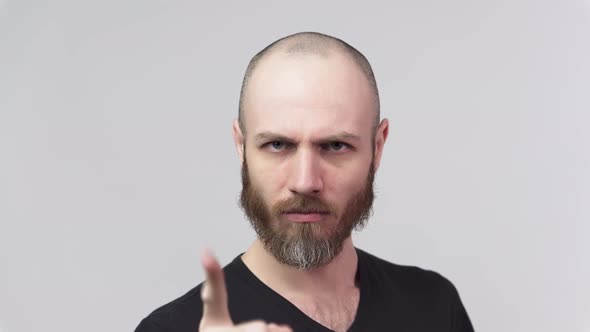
{"points": [[276, 145]]}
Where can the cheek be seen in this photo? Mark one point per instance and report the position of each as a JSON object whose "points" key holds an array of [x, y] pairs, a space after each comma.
{"points": [[345, 184], [267, 180]]}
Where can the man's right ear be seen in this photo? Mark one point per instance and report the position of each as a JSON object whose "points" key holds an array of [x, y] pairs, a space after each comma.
{"points": [[238, 140]]}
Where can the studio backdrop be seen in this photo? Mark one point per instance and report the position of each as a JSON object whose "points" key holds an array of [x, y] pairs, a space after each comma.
{"points": [[117, 164]]}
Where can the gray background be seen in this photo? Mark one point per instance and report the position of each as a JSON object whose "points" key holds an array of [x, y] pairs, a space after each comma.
{"points": [[117, 164]]}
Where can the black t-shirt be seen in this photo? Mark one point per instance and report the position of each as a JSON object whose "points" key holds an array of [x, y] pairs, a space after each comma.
{"points": [[392, 298]]}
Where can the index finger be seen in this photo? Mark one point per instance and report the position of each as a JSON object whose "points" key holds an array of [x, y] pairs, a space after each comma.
{"points": [[214, 293]]}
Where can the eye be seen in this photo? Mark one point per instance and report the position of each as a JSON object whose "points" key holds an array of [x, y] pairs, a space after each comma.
{"points": [[275, 145], [336, 146]]}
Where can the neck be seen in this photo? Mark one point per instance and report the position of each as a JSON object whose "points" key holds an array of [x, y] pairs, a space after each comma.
{"points": [[336, 277]]}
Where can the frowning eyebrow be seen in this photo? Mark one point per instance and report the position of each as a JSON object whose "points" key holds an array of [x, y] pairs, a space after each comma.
{"points": [[341, 136], [270, 136]]}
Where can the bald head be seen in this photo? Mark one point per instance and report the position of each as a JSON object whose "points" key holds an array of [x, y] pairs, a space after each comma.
{"points": [[309, 44]]}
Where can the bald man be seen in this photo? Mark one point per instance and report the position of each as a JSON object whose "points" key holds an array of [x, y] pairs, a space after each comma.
{"points": [[310, 139]]}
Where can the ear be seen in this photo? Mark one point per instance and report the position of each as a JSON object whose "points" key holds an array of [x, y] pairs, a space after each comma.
{"points": [[380, 138], [238, 140]]}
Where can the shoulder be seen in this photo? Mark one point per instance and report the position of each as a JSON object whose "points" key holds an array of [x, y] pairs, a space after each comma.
{"points": [[418, 292], [412, 281]]}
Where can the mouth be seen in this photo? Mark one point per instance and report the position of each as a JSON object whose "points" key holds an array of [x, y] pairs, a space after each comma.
{"points": [[306, 216]]}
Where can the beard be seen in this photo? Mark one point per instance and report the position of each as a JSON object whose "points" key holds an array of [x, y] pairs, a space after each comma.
{"points": [[305, 245]]}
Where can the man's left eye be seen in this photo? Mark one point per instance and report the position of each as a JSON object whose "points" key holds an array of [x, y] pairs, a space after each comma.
{"points": [[336, 146]]}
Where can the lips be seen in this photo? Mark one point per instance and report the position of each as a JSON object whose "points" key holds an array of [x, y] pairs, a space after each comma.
{"points": [[299, 216]]}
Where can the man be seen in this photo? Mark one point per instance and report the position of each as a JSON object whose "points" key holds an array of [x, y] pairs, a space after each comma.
{"points": [[310, 140]]}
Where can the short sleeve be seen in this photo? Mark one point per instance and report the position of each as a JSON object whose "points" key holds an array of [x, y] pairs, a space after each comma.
{"points": [[460, 321]]}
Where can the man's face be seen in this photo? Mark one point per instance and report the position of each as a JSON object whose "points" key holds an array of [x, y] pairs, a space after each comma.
{"points": [[308, 162]]}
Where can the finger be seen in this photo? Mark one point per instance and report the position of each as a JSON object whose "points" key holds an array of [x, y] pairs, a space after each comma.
{"points": [[278, 328], [253, 326], [214, 293]]}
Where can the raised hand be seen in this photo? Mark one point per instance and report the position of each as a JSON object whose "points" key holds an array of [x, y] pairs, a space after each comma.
{"points": [[216, 317]]}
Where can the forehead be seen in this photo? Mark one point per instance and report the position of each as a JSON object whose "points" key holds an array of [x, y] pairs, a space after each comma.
{"points": [[314, 94]]}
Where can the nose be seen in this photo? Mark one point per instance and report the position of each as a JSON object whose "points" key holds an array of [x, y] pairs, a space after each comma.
{"points": [[306, 175]]}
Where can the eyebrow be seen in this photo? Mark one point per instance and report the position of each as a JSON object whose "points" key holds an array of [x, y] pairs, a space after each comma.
{"points": [[341, 136]]}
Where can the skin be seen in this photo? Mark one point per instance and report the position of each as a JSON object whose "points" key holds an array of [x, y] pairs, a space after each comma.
{"points": [[311, 101]]}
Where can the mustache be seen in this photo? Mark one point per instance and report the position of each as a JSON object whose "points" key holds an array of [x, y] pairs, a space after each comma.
{"points": [[302, 204]]}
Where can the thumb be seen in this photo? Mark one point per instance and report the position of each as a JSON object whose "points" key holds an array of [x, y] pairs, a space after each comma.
{"points": [[214, 294]]}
